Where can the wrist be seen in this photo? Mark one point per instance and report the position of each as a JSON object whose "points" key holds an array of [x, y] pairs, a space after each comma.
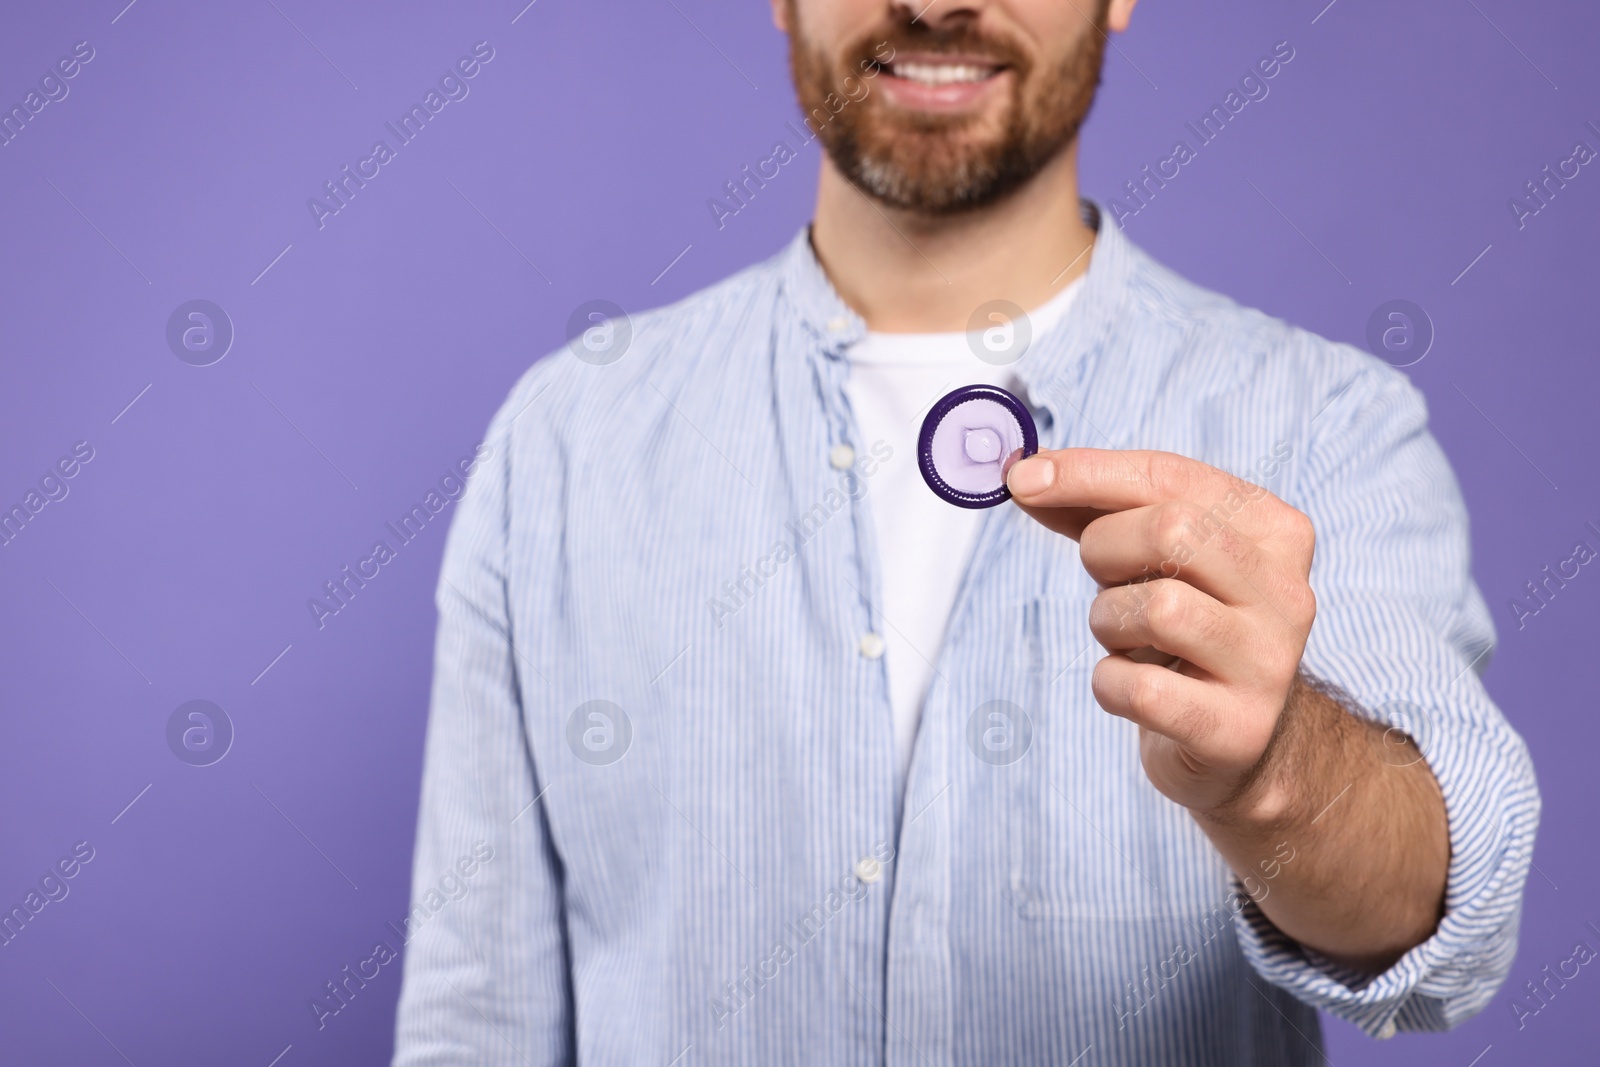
{"points": [[1272, 795]]}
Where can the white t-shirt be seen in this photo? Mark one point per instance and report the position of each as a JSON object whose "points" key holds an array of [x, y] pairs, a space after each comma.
{"points": [[923, 543]]}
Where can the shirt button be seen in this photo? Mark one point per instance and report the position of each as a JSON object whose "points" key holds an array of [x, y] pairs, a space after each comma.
{"points": [[1387, 1030], [841, 456], [871, 645], [868, 869], [838, 324]]}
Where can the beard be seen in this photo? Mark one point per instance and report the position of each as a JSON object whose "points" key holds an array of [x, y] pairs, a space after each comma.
{"points": [[944, 164]]}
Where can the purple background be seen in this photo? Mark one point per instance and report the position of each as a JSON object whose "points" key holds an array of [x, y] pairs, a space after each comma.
{"points": [[372, 353]]}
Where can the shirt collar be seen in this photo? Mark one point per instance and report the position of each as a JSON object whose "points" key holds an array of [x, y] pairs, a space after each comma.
{"points": [[1046, 371], [822, 311]]}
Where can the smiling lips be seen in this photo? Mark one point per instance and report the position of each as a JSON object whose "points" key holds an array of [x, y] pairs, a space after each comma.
{"points": [[940, 82]]}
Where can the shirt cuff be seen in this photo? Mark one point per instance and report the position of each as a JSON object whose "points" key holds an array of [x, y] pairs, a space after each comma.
{"points": [[1493, 805]]}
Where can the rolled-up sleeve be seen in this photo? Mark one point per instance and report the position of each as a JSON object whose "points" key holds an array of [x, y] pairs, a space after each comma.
{"points": [[1403, 630], [485, 979]]}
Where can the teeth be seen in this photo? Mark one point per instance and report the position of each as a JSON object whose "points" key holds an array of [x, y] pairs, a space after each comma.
{"points": [[940, 73]]}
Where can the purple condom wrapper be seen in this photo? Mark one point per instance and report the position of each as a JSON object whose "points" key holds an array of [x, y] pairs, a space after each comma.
{"points": [[969, 440]]}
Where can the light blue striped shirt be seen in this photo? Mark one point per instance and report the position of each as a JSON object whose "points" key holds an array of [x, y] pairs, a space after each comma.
{"points": [[652, 710]]}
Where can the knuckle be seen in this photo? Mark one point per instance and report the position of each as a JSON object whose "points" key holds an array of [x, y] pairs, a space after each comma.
{"points": [[1146, 692], [1174, 525], [1298, 527], [1167, 609]]}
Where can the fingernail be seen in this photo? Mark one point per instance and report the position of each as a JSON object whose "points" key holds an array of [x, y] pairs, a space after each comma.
{"points": [[1031, 477]]}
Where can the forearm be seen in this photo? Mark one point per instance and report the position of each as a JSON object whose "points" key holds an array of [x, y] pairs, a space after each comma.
{"points": [[1341, 835]]}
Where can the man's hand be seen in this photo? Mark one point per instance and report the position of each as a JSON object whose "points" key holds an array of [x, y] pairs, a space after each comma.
{"points": [[1208, 572], [1205, 607]]}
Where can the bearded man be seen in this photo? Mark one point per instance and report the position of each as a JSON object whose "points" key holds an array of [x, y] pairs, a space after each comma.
{"points": [[779, 757]]}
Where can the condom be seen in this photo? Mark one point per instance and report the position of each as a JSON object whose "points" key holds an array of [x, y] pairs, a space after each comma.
{"points": [[969, 440]]}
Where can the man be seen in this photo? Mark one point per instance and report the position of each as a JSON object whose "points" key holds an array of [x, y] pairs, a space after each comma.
{"points": [[780, 759]]}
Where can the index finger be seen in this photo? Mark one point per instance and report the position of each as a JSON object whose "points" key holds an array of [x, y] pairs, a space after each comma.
{"points": [[1102, 480]]}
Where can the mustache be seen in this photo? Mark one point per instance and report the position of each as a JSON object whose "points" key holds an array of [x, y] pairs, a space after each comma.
{"points": [[904, 33]]}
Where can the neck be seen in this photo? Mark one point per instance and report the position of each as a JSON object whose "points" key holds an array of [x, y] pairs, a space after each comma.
{"points": [[908, 273]]}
